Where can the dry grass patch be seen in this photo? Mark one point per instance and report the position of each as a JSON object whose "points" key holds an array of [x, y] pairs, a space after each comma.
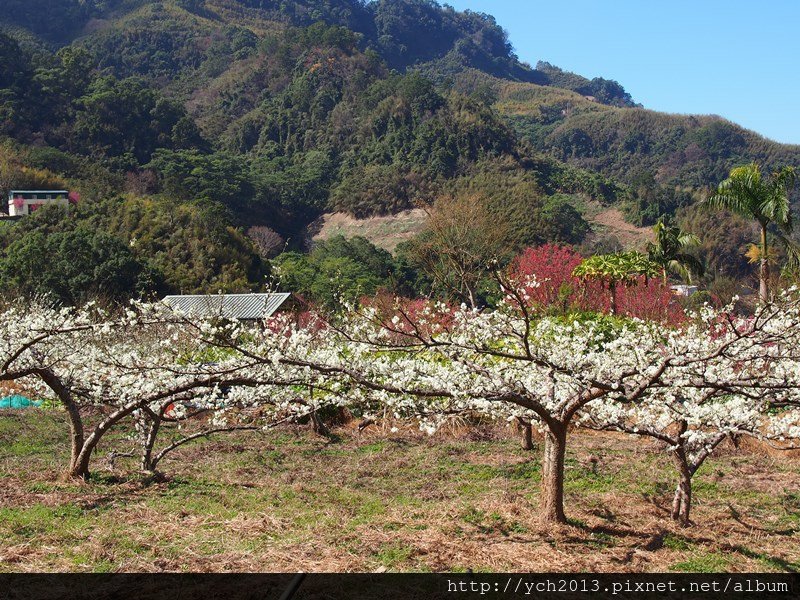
{"points": [[384, 231], [374, 500]]}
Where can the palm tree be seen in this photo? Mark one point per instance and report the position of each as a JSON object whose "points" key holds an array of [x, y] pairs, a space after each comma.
{"points": [[668, 251], [764, 199]]}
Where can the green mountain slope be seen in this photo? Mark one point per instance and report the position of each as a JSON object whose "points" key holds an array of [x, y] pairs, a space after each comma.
{"points": [[212, 118], [653, 153]]}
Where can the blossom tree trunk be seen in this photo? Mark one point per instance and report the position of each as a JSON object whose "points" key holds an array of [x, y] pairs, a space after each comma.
{"points": [[527, 433], [688, 458], [682, 501], [79, 466], [552, 493], [688, 464], [149, 436], [76, 426]]}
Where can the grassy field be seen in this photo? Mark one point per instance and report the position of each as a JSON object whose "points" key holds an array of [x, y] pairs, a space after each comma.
{"points": [[290, 500]]}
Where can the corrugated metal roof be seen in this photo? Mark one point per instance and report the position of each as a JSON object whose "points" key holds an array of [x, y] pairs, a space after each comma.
{"points": [[244, 307]]}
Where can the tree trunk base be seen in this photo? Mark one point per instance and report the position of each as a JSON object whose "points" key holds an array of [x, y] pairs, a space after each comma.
{"points": [[74, 476], [318, 426], [552, 506], [526, 431], [149, 477], [682, 502]]}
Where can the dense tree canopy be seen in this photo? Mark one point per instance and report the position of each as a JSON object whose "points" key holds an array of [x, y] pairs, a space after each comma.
{"points": [[73, 267], [337, 270]]}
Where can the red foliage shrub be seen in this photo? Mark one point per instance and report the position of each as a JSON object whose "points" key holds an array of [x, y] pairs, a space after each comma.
{"points": [[650, 300], [558, 290], [551, 266], [410, 316]]}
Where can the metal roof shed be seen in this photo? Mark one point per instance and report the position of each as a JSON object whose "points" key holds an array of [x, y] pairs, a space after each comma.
{"points": [[242, 307]]}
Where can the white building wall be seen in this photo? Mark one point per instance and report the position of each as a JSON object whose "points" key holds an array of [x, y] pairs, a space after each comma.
{"points": [[21, 205]]}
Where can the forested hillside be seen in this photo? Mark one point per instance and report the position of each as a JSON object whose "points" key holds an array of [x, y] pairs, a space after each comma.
{"points": [[659, 156], [204, 136]]}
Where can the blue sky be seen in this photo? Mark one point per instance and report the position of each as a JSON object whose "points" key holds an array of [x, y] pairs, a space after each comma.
{"points": [[737, 59]]}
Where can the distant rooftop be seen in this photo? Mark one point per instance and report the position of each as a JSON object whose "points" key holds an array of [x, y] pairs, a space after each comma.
{"points": [[243, 307], [684, 290], [39, 192]]}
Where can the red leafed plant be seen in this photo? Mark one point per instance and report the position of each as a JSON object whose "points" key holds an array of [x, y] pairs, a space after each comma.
{"points": [[651, 300], [545, 274], [410, 316]]}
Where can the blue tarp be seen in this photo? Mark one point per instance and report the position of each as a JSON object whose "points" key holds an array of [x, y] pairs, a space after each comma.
{"points": [[17, 401]]}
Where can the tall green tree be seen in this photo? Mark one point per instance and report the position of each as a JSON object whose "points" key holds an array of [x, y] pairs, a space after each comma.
{"points": [[766, 200], [669, 251]]}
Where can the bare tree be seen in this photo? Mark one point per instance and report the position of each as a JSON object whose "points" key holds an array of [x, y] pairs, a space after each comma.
{"points": [[460, 245], [268, 241]]}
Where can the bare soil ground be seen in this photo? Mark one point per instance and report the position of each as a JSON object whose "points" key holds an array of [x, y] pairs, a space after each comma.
{"points": [[388, 231], [385, 232], [613, 222], [289, 501]]}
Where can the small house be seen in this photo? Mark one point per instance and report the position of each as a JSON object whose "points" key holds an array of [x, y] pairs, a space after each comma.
{"points": [[684, 290], [25, 202], [241, 307]]}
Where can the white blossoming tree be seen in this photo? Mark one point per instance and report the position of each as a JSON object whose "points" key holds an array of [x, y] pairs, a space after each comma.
{"points": [[691, 424], [506, 364], [36, 341], [692, 419], [557, 371], [147, 360], [727, 375], [264, 376]]}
